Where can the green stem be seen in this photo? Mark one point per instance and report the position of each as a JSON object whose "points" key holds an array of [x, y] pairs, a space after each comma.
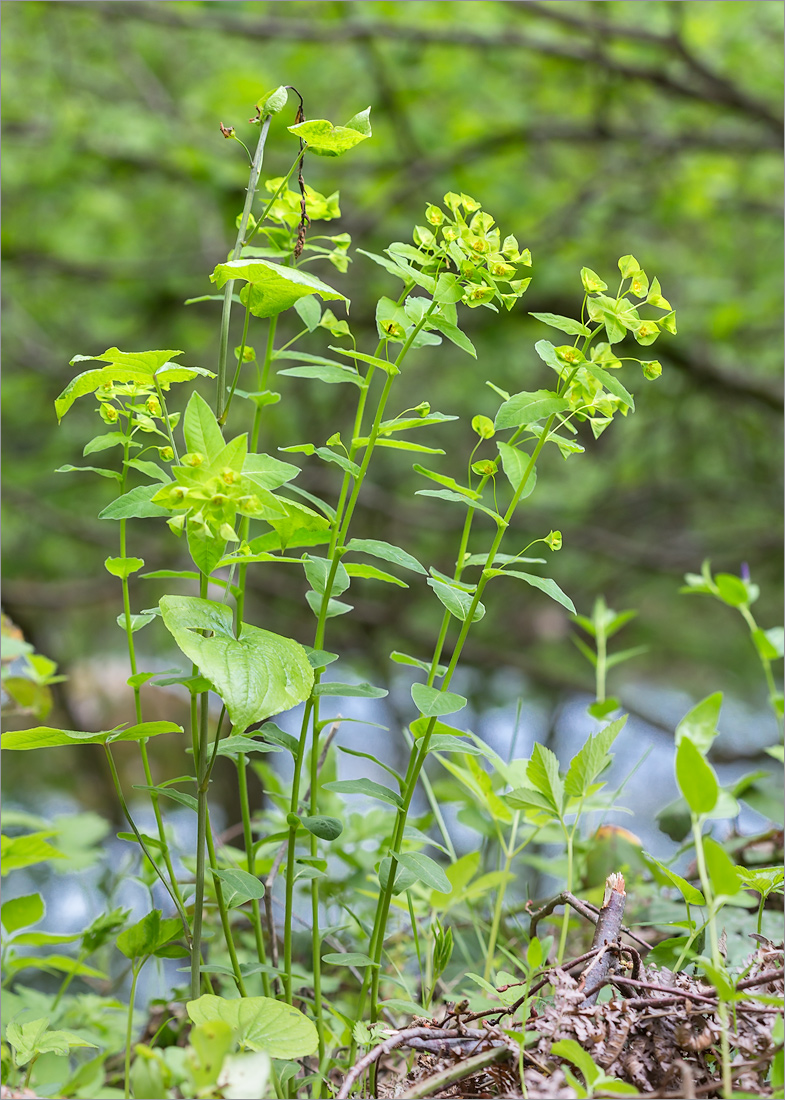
{"points": [[290, 855], [316, 938], [170, 432], [124, 806], [602, 645], [383, 905], [566, 918], [70, 977], [722, 1008], [226, 314], [136, 971], [765, 662], [202, 780], [238, 368], [269, 206], [341, 524], [250, 855], [222, 908], [509, 852]]}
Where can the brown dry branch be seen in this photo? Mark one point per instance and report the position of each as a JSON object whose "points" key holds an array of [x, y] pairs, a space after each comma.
{"points": [[664, 1041], [584, 908], [607, 932], [459, 1072]]}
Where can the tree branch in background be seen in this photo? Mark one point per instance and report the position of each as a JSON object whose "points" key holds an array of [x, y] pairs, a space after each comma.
{"points": [[715, 90]]}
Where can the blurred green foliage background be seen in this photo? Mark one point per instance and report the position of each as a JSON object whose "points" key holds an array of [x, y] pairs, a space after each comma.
{"points": [[588, 129]]}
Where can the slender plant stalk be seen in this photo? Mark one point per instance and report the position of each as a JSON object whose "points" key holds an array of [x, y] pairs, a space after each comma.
{"points": [[201, 743], [223, 910], [509, 853], [253, 180], [602, 656], [722, 1008], [136, 971], [124, 806], [344, 513], [385, 896], [569, 835], [250, 855], [765, 662]]}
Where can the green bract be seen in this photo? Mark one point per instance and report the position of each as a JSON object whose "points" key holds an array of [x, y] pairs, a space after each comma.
{"points": [[139, 370], [326, 140], [270, 287]]}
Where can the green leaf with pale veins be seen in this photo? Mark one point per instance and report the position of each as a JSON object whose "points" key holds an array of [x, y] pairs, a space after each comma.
{"points": [[260, 1023], [700, 723], [386, 551], [135, 504], [272, 288], [457, 602], [257, 675], [124, 366], [46, 737], [526, 408], [327, 140], [200, 429], [542, 772], [592, 759], [515, 464], [368, 787], [426, 870], [239, 886], [431, 702]]}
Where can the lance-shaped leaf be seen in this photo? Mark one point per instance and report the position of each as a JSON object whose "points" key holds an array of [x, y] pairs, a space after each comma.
{"points": [[564, 324], [696, 778], [700, 723], [516, 464], [271, 287], [545, 584], [327, 140], [46, 737], [526, 408], [257, 675], [610, 382]]}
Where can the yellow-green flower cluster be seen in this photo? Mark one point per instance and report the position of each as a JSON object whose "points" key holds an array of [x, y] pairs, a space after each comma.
{"points": [[467, 238]]}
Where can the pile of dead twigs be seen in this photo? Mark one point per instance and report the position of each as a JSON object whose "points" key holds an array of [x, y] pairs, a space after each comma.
{"points": [[660, 1031]]}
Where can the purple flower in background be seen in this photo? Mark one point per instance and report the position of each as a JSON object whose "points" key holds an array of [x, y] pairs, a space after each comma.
{"points": [[745, 572]]}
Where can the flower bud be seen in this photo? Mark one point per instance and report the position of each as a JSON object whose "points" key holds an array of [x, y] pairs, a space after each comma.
{"points": [[228, 475], [177, 523], [433, 214], [423, 237], [153, 405], [226, 531], [166, 453], [652, 369], [194, 459], [554, 540], [109, 414], [483, 425]]}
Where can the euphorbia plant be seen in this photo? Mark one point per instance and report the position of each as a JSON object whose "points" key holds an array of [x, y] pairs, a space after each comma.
{"points": [[215, 489]]}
